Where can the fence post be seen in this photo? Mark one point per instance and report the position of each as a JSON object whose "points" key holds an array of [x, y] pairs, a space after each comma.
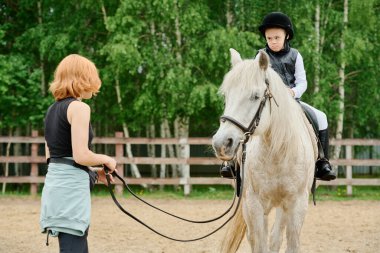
{"points": [[119, 152], [349, 170], [34, 165]]}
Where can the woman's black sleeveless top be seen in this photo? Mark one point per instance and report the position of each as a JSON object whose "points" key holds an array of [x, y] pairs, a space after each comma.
{"points": [[58, 129]]}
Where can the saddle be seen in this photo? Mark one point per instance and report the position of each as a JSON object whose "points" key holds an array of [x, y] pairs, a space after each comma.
{"points": [[311, 117]]}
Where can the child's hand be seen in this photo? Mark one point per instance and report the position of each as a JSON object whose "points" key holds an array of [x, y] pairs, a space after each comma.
{"points": [[291, 92]]}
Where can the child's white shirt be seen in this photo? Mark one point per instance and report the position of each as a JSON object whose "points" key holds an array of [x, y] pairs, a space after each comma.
{"points": [[300, 76]]}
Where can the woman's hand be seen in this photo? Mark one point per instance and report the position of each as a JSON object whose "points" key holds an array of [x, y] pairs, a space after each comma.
{"points": [[110, 164], [102, 177]]}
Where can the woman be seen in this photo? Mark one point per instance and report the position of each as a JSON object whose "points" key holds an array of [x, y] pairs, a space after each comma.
{"points": [[65, 202]]}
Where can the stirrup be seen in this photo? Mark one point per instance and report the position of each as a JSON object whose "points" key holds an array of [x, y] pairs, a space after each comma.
{"points": [[324, 171], [227, 171]]}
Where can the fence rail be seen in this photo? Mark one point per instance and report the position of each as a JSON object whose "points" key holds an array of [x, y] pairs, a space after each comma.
{"points": [[119, 141]]}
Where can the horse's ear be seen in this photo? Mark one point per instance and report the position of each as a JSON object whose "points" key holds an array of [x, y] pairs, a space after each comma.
{"points": [[263, 60], [235, 57]]}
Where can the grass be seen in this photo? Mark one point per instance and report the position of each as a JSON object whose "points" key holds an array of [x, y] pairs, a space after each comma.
{"points": [[215, 192], [223, 192], [172, 192], [339, 193]]}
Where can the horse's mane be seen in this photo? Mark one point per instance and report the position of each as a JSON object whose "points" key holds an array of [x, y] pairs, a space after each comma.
{"points": [[243, 74], [284, 136]]}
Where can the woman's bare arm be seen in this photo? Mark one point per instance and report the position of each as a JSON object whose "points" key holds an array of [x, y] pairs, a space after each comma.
{"points": [[78, 115]]}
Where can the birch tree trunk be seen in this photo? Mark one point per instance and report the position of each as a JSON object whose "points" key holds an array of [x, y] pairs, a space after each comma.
{"points": [[151, 133], [183, 151], [339, 129], [178, 35], [163, 154], [182, 126], [229, 15], [177, 169], [134, 169], [7, 152], [42, 65], [317, 66], [17, 151], [164, 126], [170, 148]]}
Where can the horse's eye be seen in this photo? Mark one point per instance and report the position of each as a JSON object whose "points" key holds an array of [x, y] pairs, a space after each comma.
{"points": [[254, 97]]}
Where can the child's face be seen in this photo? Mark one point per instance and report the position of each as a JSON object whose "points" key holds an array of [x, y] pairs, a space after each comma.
{"points": [[275, 38]]}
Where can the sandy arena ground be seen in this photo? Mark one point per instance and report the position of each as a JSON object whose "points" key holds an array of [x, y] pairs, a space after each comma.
{"points": [[332, 227]]}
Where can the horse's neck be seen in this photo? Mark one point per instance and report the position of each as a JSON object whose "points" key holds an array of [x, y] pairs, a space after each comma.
{"points": [[285, 135]]}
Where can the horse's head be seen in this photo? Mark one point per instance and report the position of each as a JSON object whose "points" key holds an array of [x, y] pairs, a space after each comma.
{"points": [[246, 95]]}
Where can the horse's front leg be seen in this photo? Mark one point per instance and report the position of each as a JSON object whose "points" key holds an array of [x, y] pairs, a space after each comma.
{"points": [[296, 212], [276, 234], [247, 215], [256, 220]]}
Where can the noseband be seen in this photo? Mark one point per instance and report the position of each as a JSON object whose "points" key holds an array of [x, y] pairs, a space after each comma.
{"points": [[248, 131]]}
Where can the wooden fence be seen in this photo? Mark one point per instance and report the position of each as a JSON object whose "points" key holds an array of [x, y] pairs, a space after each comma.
{"points": [[119, 141]]}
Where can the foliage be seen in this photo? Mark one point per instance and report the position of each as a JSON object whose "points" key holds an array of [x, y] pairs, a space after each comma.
{"points": [[169, 58]]}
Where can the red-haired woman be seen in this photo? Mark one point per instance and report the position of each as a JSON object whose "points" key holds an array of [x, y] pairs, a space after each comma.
{"points": [[65, 202]]}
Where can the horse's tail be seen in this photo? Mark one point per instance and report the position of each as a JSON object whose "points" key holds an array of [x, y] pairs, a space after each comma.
{"points": [[235, 233]]}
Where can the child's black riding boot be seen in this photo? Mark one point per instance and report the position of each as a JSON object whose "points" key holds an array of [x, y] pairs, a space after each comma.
{"points": [[324, 170], [227, 170]]}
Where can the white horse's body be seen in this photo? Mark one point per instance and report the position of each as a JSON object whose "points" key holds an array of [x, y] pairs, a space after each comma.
{"points": [[280, 158]]}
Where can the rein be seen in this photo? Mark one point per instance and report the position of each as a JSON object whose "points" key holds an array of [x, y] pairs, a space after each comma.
{"points": [[170, 214], [154, 230]]}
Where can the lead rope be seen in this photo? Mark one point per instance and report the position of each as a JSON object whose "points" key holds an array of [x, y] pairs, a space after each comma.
{"points": [[106, 169], [175, 216]]}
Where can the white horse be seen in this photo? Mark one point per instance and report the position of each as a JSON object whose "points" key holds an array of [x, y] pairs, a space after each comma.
{"points": [[280, 157]]}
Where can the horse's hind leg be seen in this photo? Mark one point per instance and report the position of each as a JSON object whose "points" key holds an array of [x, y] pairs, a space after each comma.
{"points": [[297, 212], [277, 230]]}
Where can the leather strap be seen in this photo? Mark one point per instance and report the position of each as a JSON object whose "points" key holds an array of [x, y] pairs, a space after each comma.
{"points": [[154, 230], [67, 162]]}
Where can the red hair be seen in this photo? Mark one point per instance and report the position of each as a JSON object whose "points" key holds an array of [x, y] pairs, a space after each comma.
{"points": [[74, 75]]}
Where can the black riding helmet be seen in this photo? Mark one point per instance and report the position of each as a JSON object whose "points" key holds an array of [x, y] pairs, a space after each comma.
{"points": [[277, 19]]}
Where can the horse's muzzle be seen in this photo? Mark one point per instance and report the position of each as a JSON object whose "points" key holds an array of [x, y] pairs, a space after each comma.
{"points": [[225, 147]]}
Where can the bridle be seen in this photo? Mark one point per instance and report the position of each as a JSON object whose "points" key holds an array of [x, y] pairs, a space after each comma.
{"points": [[249, 131]]}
